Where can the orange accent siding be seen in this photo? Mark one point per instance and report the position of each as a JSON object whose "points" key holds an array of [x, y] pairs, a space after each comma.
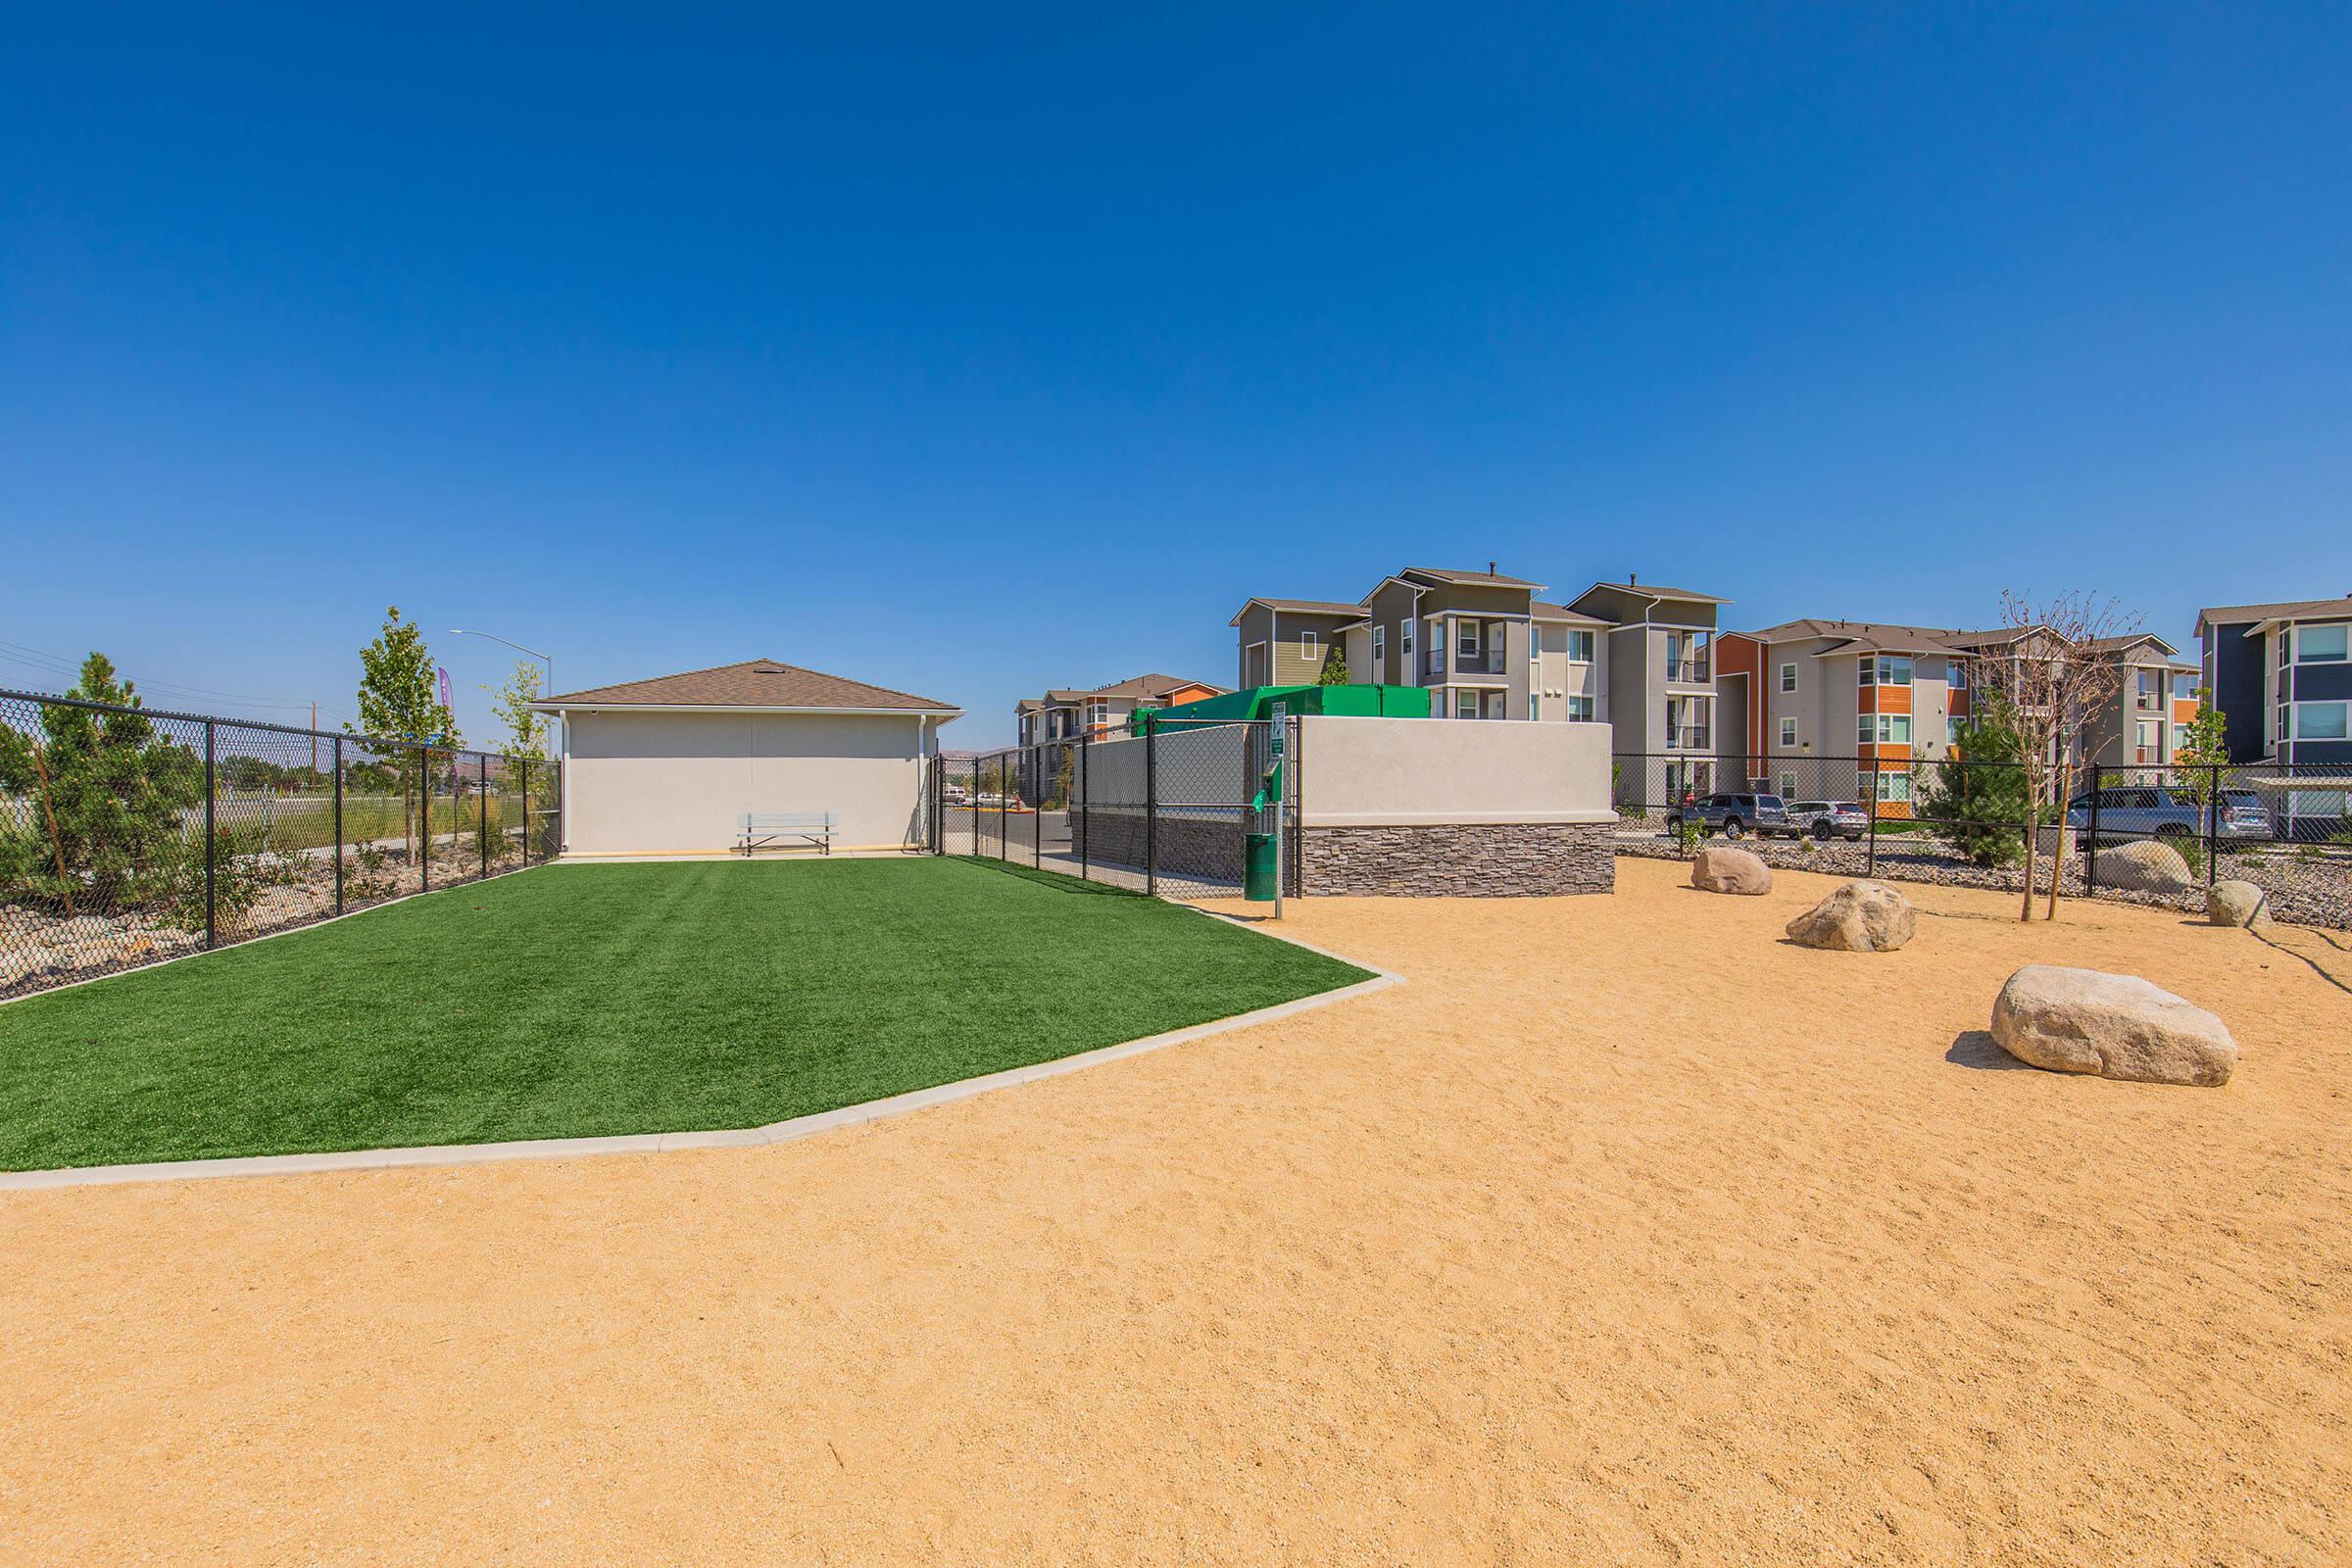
{"points": [[2184, 709]]}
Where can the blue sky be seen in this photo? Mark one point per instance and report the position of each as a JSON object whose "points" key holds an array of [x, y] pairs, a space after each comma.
{"points": [[979, 351]]}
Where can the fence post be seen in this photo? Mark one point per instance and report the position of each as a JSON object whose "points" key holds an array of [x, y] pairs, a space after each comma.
{"points": [[524, 771], [1037, 822], [2090, 845], [1078, 819], [338, 824], [481, 805], [425, 821], [211, 888], [1150, 810], [1870, 857], [1003, 807], [2213, 821]]}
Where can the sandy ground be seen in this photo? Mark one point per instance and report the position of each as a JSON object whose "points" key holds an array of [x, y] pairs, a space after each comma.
{"points": [[1623, 1232]]}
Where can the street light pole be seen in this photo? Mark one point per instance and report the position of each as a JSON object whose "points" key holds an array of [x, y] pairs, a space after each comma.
{"points": [[562, 730]]}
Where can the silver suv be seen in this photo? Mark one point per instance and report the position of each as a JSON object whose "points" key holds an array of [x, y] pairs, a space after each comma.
{"points": [[1734, 815], [2135, 811]]}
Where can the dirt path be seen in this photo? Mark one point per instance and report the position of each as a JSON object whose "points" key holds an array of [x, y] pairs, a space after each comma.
{"points": [[1621, 1233]]}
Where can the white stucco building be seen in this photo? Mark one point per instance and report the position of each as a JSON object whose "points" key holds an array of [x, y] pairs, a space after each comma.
{"points": [[670, 765]]}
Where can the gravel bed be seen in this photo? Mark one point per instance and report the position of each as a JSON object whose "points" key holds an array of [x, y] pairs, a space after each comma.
{"points": [[42, 947], [2304, 890]]}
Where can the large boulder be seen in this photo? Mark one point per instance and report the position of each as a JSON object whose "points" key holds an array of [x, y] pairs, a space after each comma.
{"points": [[1719, 868], [2150, 865], [2115, 1025], [1858, 918], [2237, 903]]}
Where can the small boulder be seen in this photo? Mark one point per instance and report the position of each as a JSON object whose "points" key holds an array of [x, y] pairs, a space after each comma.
{"points": [[2115, 1025], [1719, 868], [2237, 903], [2146, 866], [1858, 918]]}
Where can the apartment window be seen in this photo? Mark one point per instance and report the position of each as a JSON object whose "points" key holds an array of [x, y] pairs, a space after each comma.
{"points": [[2323, 645], [1437, 702], [1380, 654], [1788, 785], [1959, 675], [1788, 732], [1306, 647], [2185, 685], [1098, 714], [1579, 648], [1884, 728], [1787, 677], [1894, 670], [1436, 639], [1895, 787], [1580, 709], [1470, 631], [2286, 716], [2323, 721], [1535, 705]]}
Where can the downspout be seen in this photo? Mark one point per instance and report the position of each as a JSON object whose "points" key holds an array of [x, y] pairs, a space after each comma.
{"points": [[564, 782]]}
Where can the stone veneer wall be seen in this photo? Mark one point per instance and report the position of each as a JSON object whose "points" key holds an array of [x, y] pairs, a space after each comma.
{"points": [[1189, 845], [1461, 859]]}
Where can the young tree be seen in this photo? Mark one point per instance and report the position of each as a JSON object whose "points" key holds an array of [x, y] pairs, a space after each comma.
{"points": [[2054, 677], [398, 702], [1335, 666], [1976, 794], [107, 796], [526, 730]]}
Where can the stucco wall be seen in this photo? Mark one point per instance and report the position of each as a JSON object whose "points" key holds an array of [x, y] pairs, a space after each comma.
{"points": [[644, 783], [1383, 771]]}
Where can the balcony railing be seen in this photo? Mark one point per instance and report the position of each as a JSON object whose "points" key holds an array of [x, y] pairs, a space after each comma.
{"points": [[1689, 671], [1691, 738]]}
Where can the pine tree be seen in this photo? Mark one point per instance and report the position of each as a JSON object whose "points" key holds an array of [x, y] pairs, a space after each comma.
{"points": [[109, 798]]}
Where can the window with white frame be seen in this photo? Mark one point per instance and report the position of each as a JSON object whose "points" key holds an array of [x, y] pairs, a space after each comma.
{"points": [[1894, 787], [2323, 645], [1437, 702], [1788, 785], [1884, 728], [1098, 714], [1580, 709], [1959, 674], [1380, 654], [1308, 649], [1789, 677], [1580, 647], [1788, 732], [2287, 718], [2323, 721], [1470, 632], [1437, 638]]}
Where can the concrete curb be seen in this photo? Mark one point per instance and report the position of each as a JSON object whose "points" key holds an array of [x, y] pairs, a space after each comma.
{"points": [[781, 1132]]}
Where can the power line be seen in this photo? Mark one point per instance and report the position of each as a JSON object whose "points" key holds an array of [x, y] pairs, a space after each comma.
{"points": [[52, 663]]}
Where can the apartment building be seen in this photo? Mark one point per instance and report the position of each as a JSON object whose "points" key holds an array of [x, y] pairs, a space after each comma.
{"points": [[2281, 674], [1067, 714], [1486, 647], [1825, 700]]}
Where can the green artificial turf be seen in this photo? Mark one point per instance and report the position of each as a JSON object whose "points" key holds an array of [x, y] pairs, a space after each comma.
{"points": [[629, 999]]}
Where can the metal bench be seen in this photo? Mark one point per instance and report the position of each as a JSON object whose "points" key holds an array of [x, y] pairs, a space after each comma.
{"points": [[763, 828]]}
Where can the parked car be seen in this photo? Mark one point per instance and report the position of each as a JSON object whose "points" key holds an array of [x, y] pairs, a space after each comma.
{"points": [[1828, 819], [1734, 815], [2142, 811]]}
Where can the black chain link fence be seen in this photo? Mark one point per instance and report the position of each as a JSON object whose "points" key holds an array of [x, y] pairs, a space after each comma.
{"points": [[129, 835], [1165, 814], [2161, 835]]}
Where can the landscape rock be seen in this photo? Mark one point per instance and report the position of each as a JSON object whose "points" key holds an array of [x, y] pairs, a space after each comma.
{"points": [[2239, 903], [2146, 866], [2115, 1025], [1858, 918], [1719, 868]]}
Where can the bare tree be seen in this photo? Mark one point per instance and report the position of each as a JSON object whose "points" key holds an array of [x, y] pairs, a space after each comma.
{"points": [[2058, 664]]}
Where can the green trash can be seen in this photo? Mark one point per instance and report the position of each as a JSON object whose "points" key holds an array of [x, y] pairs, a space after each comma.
{"points": [[1258, 868]]}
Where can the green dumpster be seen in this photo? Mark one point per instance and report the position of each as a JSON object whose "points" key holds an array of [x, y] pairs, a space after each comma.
{"points": [[1258, 868]]}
